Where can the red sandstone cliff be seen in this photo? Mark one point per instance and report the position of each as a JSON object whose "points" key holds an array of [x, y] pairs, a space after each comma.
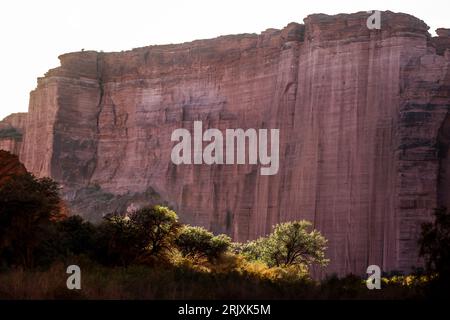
{"points": [[362, 117]]}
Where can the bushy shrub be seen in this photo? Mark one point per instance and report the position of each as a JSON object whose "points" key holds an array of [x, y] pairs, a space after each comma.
{"points": [[65, 239], [290, 243], [76, 236], [251, 250], [157, 227], [198, 243], [118, 242], [146, 233]]}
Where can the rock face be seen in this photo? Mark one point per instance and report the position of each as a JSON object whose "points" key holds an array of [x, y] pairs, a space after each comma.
{"points": [[10, 167], [15, 120], [12, 129], [363, 119]]}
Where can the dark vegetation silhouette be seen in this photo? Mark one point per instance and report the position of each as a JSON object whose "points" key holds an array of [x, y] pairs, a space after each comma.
{"points": [[435, 248], [29, 207], [149, 254]]}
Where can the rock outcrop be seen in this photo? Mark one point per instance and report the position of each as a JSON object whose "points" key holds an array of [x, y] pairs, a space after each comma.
{"points": [[10, 167], [363, 119], [12, 129]]}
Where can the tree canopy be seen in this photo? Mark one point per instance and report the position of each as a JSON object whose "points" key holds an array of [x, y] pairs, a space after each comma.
{"points": [[290, 243], [27, 206], [198, 243]]}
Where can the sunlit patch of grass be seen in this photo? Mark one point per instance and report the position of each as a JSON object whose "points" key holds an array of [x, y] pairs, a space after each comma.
{"points": [[408, 280]]}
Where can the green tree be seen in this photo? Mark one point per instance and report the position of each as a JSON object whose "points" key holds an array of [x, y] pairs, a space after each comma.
{"points": [[118, 242], [157, 228], [290, 243], [66, 238], [198, 243], [147, 232], [76, 236], [251, 250], [27, 207]]}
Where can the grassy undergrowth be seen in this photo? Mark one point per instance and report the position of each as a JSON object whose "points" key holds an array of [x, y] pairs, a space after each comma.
{"points": [[232, 278]]}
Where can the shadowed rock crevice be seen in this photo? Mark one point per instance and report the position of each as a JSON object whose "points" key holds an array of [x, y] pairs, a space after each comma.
{"points": [[443, 148]]}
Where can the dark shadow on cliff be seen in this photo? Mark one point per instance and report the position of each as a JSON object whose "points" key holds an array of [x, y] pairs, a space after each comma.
{"points": [[89, 201]]}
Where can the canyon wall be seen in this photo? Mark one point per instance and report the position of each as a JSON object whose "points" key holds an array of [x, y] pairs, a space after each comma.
{"points": [[364, 131]]}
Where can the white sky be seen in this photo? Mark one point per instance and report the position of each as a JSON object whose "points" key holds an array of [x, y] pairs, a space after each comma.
{"points": [[34, 33]]}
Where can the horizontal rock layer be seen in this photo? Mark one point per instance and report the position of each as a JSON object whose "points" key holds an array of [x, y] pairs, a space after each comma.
{"points": [[12, 129], [364, 131]]}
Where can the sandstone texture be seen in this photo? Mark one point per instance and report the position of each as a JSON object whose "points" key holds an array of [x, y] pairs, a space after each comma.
{"points": [[363, 119], [12, 129], [10, 167]]}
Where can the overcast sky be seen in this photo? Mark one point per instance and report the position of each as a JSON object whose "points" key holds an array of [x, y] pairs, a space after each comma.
{"points": [[34, 33]]}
